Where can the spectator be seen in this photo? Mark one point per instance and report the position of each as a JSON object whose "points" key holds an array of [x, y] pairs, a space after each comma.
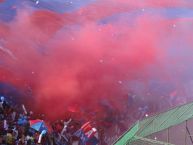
{"points": [[15, 128]]}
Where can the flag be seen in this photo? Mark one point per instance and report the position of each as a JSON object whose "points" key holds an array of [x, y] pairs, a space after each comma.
{"points": [[87, 134], [38, 125]]}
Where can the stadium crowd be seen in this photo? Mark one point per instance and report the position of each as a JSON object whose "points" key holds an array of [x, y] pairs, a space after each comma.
{"points": [[20, 127]]}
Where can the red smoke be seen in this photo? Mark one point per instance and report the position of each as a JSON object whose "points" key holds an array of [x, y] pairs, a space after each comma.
{"points": [[72, 62]]}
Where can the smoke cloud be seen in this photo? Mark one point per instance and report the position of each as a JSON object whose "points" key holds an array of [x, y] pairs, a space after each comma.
{"points": [[108, 57]]}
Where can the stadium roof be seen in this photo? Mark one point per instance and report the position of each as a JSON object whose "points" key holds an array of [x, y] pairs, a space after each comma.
{"points": [[159, 122]]}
